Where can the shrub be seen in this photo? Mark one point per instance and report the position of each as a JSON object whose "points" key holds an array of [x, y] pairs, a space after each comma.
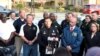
{"points": [[19, 6], [70, 7]]}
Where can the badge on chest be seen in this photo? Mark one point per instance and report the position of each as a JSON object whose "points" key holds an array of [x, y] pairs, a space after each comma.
{"points": [[53, 32], [74, 34], [33, 28], [44, 32]]}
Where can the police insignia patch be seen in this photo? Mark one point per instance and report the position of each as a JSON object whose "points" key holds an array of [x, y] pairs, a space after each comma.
{"points": [[53, 31], [44, 32], [74, 34]]}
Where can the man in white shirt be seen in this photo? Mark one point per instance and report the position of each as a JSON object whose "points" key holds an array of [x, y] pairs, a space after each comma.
{"points": [[6, 31]]}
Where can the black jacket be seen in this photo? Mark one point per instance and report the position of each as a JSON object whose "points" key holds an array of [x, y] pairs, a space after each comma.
{"points": [[64, 23], [57, 26], [95, 41], [41, 23], [45, 33], [85, 27]]}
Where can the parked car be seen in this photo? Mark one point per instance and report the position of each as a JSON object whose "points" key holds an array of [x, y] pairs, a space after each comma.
{"points": [[90, 8], [5, 11]]}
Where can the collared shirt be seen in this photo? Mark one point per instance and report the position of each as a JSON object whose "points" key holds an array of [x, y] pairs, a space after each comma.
{"points": [[5, 30], [72, 28], [29, 32], [18, 23]]}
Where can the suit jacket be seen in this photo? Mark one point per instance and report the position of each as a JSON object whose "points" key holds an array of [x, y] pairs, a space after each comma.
{"points": [[92, 42]]}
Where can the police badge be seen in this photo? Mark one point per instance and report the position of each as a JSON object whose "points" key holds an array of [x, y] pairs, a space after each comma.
{"points": [[53, 33], [74, 34], [33, 28], [44, 32]]}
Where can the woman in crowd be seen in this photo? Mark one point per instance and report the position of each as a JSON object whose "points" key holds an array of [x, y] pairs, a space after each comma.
{"points": [[85, 24], [92, 38], [84, 28]]}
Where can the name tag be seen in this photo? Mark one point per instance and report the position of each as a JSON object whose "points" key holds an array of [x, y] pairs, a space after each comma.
{"points": [[53, 33], [44, 32], [52, 39]]}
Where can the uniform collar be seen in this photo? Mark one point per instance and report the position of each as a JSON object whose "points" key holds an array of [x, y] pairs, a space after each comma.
{"points": [[28, 25]]}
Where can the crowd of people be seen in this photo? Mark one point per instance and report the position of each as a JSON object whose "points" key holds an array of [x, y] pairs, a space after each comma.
{"points": [[77, 37]]}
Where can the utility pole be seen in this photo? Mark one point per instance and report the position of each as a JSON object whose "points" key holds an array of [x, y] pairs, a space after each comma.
{"points": [[32, 6]]}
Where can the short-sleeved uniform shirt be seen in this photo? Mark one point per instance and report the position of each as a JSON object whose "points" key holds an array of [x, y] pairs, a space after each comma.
{"points": [[29, 32]]}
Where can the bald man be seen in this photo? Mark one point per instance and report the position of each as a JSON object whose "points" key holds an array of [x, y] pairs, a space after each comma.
{"points": [[72, 37], [17, 24], [41, 22]]}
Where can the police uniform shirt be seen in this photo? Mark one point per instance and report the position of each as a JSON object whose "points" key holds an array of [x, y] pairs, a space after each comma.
{"points": [[41, 23], [29, 32], [57, 26], [18, 23], [45, 33], [64, 24]]}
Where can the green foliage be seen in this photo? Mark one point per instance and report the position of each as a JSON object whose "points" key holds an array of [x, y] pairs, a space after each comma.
{"points": [[49, 5], [77, 9], [70, 7], [19, 6], [37, 5], [60, 3]]}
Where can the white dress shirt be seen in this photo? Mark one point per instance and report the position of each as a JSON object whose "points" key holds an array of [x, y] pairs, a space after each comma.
{"points": [[72, 28]]}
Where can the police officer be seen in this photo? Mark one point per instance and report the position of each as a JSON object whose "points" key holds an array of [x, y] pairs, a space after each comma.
{"points": [[55, 24], [41, 22], [95, 17], [46, 34], [17, 24], [65, 22], [68, 16], [28, 34]]}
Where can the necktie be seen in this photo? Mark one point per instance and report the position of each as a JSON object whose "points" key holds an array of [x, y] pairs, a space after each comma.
{"points": [[71, 29]]}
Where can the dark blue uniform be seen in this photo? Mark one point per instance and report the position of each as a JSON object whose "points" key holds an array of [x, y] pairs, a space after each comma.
{"points": [[43, 38], [41, 23], [17, 24]]}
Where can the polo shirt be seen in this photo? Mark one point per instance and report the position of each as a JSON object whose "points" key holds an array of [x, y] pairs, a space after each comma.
{"points": [[17, 24], [29, 32]]}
